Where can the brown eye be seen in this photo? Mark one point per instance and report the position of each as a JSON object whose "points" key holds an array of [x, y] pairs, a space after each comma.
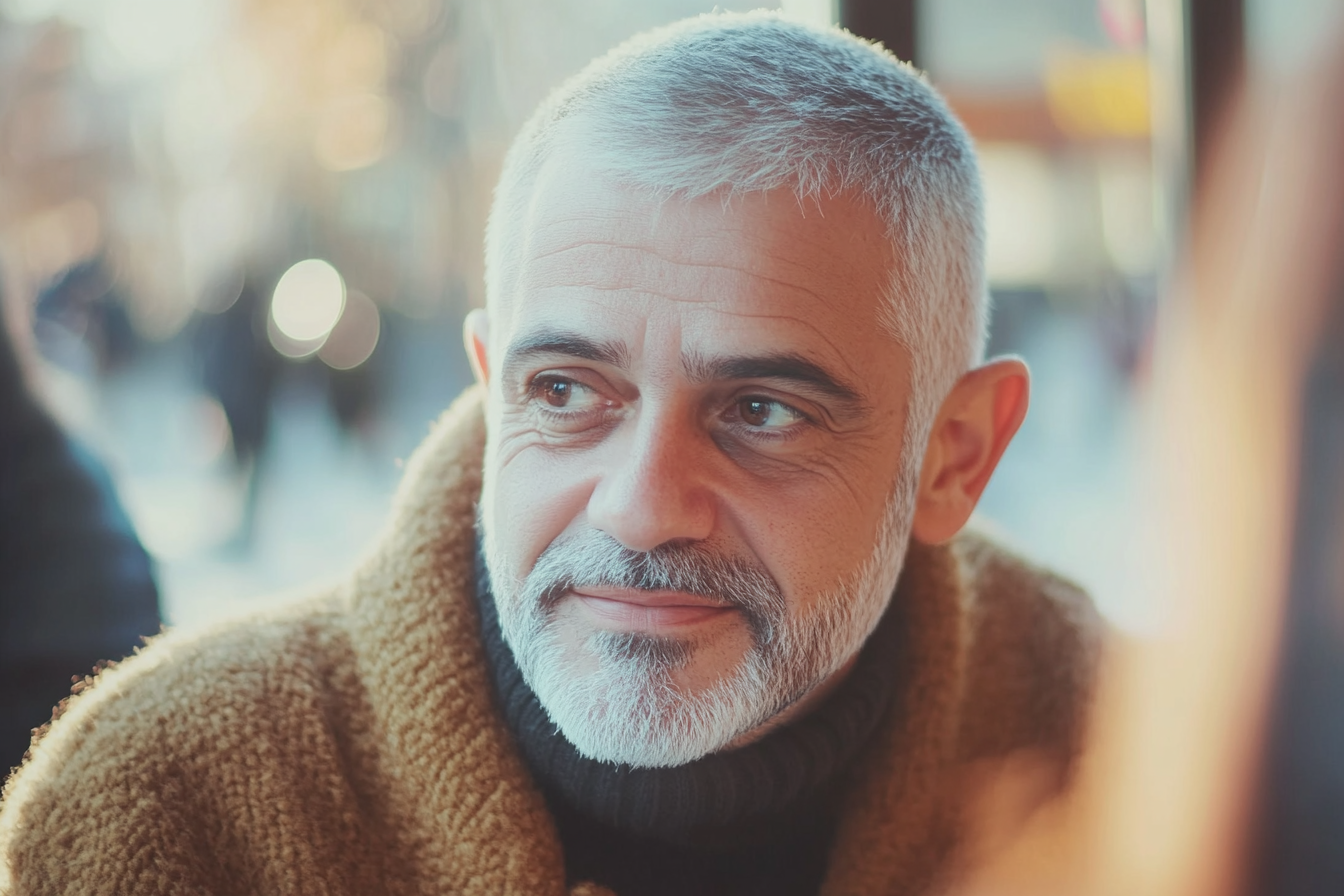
{"points": [[754, 411], [767, 414], [562, 394], [557, 392]]}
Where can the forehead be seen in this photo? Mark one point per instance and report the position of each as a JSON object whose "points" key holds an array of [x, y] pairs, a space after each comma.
{"points": [[763, 268]]}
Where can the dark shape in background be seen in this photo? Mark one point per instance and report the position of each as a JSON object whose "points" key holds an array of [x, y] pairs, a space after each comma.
{"points": [[239, 369], [76, 587], [1299, 827]]}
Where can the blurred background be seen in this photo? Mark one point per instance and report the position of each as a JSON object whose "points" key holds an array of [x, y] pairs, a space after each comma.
{"points": [[238, 238]]}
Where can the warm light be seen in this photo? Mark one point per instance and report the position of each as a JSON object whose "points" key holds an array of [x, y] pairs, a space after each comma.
{"points": [[352, 132], [60, 237], [355, 335], [305, 306], [357, 59]]}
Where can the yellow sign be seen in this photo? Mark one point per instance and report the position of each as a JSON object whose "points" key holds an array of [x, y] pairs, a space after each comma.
{"points": [[1098, 94]]}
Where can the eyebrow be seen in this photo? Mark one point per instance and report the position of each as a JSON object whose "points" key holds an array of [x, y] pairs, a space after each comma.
{"points": [[572, 345], [786, 366]]}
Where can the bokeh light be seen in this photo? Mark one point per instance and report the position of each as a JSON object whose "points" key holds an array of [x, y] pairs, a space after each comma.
{"points": [[355, 335], [352, 132], [305, 306], [221, 294]]}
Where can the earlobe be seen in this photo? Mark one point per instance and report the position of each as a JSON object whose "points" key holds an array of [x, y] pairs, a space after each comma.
{"points": [[475, 338], [978, 419]]}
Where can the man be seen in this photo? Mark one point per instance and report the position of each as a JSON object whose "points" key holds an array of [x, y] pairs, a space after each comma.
{"points": [[731, 394]]}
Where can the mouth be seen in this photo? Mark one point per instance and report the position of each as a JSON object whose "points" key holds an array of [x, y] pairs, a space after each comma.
{"points": [[624, 609]]}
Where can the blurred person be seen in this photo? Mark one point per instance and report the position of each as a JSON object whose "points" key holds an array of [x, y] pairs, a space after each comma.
{"points": [[1297, 803], [676, 600], [353, 395], [1299, 821], [82, 311], [1216, 763], [76, 587], [240, 369]]}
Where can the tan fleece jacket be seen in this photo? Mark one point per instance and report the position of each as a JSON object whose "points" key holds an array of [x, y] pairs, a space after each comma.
{"points": [[348, 744]]}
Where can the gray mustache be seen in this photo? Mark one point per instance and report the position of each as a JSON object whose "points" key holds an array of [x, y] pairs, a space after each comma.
{"points": [[597, 559]]}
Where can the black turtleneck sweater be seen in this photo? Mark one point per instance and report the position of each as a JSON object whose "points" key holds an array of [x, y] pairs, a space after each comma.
{"points": [[759, 819]]}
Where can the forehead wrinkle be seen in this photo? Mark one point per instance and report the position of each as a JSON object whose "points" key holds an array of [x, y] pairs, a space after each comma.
{"points": [[640, 291], [531, 275], [574, 247], [759, 246]]}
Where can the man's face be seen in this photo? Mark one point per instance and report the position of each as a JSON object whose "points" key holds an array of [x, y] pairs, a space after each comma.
{"points": [[695, 506]]}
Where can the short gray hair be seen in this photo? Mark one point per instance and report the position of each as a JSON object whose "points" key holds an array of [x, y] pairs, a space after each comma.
{"points": [[736, 103]]}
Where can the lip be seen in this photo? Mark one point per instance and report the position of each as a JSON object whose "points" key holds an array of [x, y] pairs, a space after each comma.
{"points": [[649, 611]]}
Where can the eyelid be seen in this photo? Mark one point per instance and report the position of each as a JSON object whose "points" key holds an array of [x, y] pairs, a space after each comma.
{"points": [[536, 383], [772, 436], [765, 395], [547, 374], [793, 417], [578, 371], [595, 397]]}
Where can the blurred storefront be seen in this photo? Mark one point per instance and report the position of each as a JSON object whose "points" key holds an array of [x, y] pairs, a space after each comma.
{"points": [[1057, 95]]}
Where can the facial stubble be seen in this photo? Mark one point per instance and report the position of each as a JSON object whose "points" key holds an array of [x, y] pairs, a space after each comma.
{"points": [[616, 697]]}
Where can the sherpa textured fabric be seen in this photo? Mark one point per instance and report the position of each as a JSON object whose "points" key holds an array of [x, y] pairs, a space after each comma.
{"points": [[349, 744]]}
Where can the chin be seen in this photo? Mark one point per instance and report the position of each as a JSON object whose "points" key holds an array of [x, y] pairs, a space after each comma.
{"points": [[625, 699]]}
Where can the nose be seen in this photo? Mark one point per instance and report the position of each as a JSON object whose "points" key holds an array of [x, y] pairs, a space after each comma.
{"points": [[656, 489]]}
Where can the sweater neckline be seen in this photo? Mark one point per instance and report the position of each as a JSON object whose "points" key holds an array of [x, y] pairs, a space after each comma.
{"points": [[724, 799]]}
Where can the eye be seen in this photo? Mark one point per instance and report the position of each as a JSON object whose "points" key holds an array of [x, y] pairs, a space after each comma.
{"points": [[766, 413], [561, 394], [555, 392]]}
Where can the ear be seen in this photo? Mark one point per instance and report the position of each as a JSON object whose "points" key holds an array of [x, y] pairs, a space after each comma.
{"points": [[978, 419], [475, 337]]}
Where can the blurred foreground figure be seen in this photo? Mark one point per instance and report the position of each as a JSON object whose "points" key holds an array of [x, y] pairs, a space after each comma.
{"points": [[718, 630], [1217, 767], [76, 587]]}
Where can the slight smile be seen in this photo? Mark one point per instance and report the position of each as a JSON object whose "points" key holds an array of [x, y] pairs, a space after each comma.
{"points": [[632, 610]]}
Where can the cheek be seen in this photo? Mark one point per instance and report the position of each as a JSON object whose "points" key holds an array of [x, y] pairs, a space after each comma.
{"points": [[535, 495], [810, 542]]}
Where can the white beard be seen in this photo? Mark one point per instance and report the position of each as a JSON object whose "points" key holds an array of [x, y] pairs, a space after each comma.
{"points": [[629, 709]]}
